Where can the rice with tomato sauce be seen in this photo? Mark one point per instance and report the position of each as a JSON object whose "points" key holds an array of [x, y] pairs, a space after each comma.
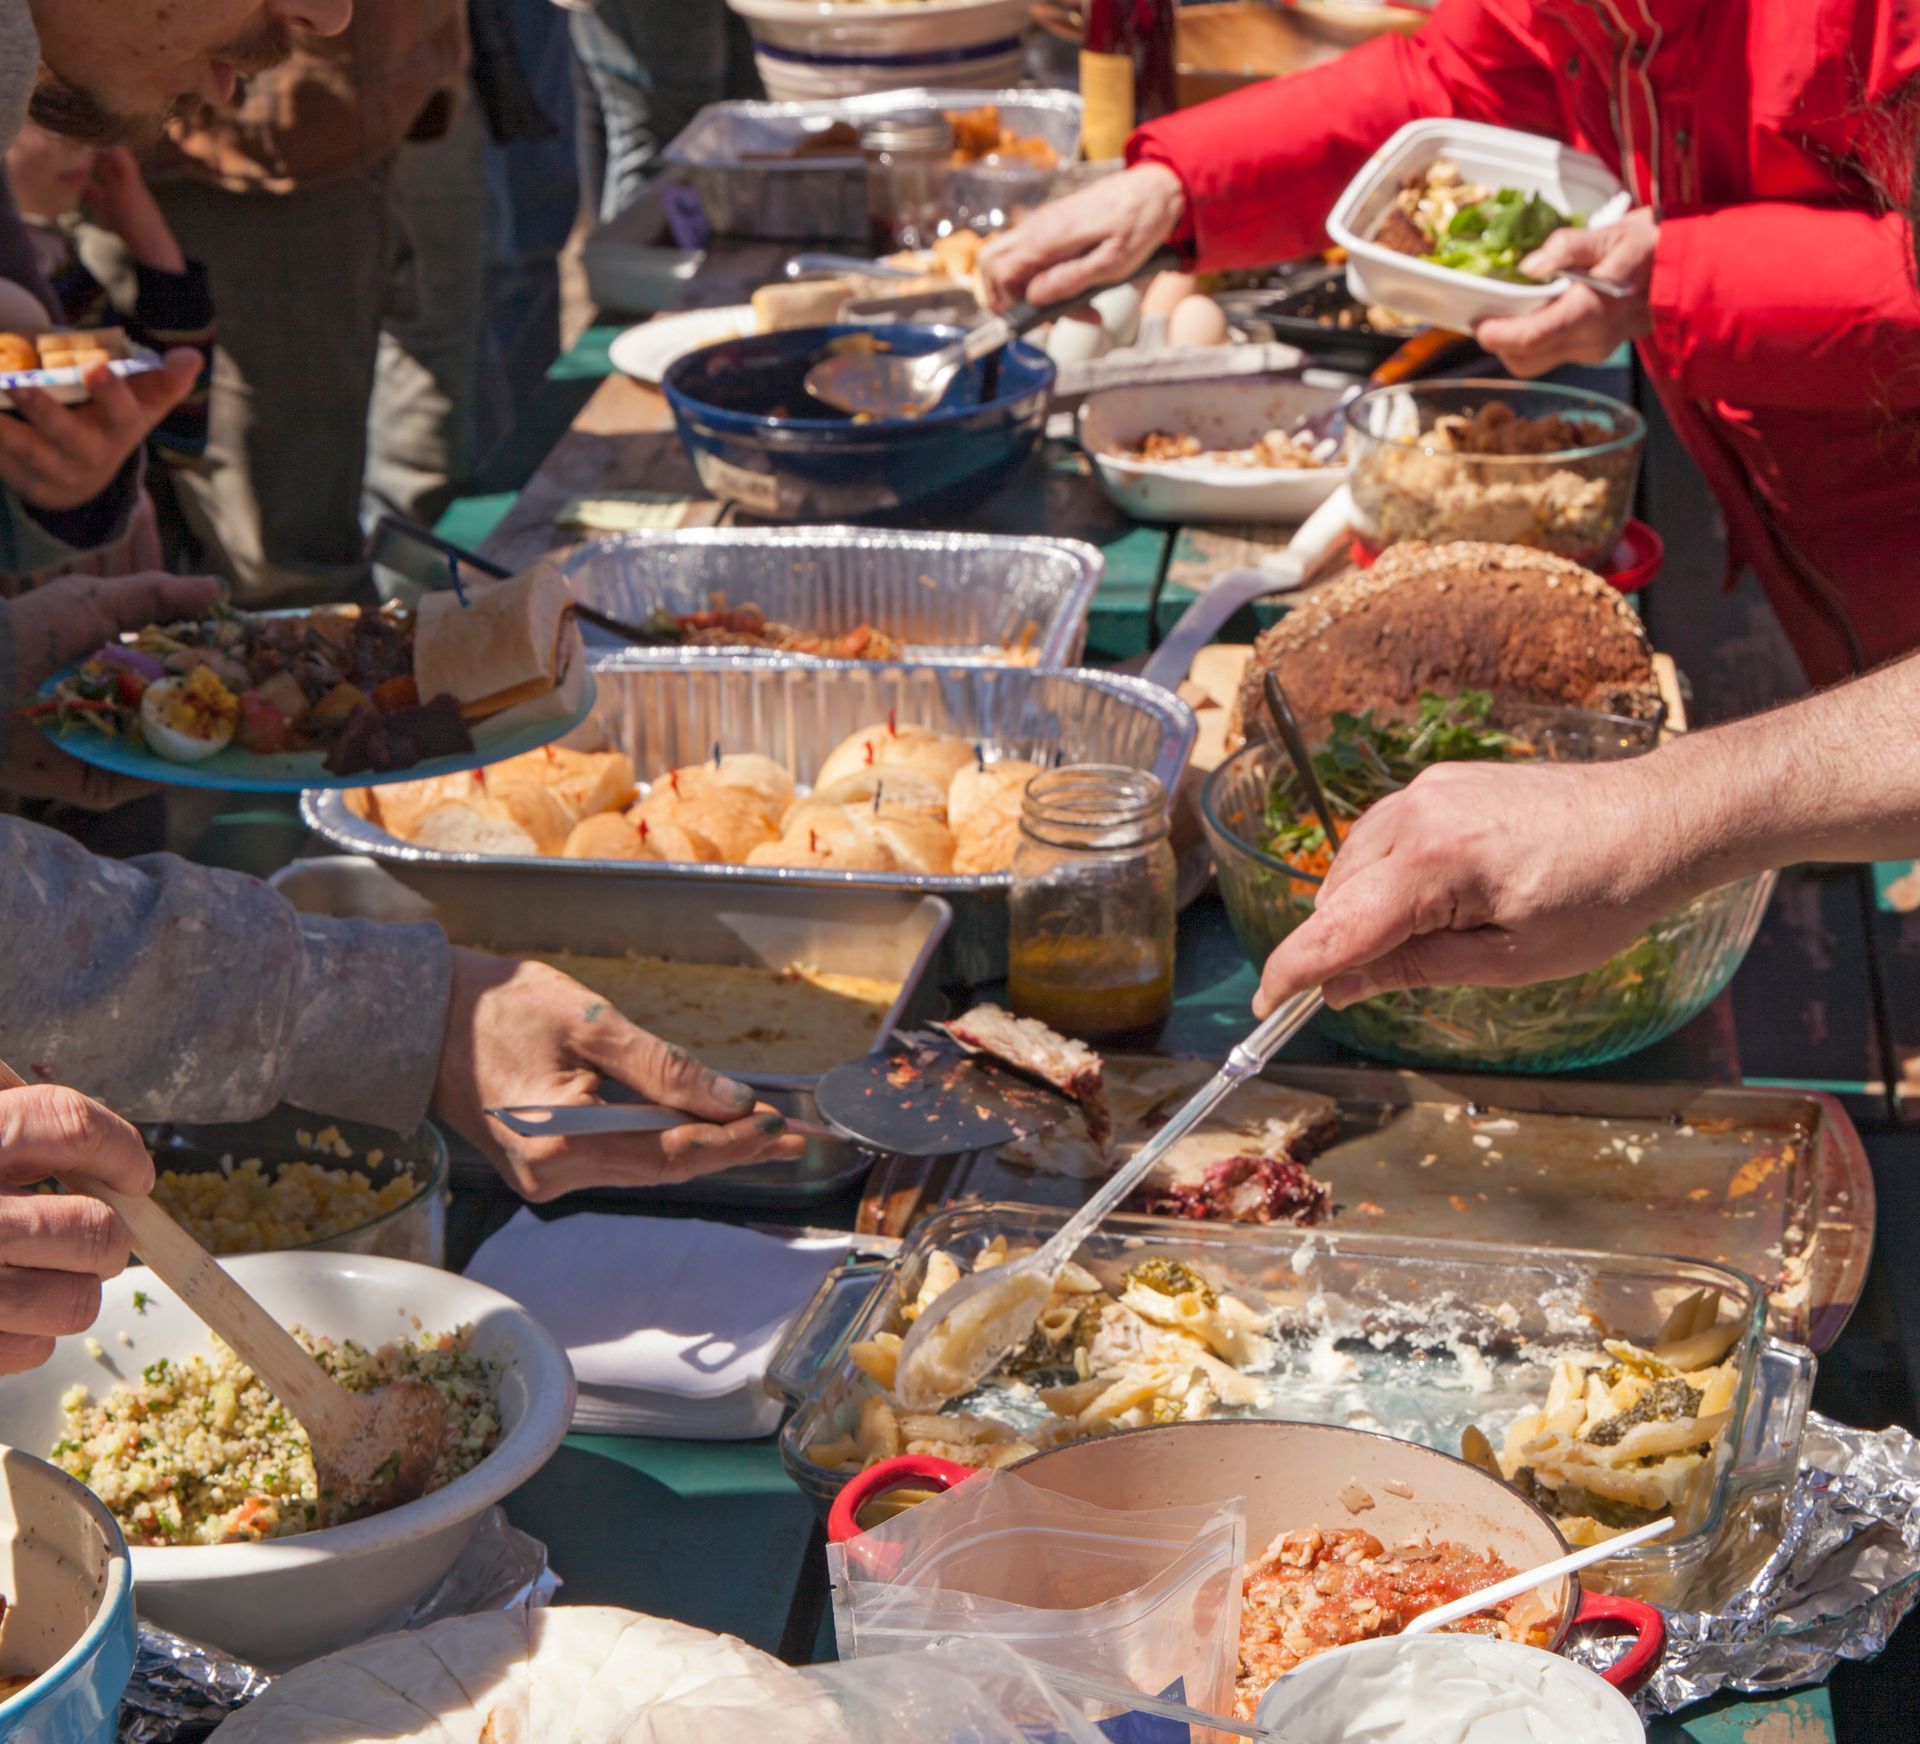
{"points": [[200, 1452]]}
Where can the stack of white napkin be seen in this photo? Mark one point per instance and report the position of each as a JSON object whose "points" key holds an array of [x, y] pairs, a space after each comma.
{"points": [[670, 1322]]}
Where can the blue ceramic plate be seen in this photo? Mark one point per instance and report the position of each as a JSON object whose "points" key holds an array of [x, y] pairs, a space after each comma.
{"points": [[239, 771]]}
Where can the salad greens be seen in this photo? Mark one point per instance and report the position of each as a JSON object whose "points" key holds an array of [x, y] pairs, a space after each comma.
{"points": [[1493, 236], [1630, 999]]}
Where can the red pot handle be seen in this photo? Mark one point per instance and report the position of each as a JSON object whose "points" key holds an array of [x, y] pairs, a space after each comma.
{"points": [[916, 1471], [1616, 1616]]}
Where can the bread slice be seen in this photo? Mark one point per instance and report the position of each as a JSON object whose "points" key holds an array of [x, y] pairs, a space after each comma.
{"points": [[1528, 626]]}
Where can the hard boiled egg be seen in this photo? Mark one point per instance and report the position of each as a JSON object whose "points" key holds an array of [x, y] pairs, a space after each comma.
{"points": [[188, 719], [1078, 338], [1167, 292], [1119, 312], [1197, 321]]}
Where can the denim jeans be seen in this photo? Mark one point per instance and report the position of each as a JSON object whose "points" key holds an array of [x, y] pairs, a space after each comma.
{"points": [[653, 65]]}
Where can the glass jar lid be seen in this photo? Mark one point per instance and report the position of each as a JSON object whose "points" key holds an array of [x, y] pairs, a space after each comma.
{"points": [[916, 134], [1097, 806]]}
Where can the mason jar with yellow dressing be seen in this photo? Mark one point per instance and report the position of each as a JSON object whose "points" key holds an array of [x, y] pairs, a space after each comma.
{"points": [[1091, 912]]}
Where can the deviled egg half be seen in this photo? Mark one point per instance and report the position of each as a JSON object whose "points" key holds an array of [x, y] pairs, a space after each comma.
{"points": [[189, 719]]}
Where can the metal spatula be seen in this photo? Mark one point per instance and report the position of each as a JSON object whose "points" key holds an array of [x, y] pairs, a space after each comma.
{"points": [[929, 1097]]}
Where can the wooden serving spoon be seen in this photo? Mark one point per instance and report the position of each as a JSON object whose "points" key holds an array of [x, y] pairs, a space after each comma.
{"points": [[371, 1451]]}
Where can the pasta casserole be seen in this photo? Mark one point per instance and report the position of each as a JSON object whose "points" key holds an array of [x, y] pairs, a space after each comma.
{"points": [[1167, 1347]]}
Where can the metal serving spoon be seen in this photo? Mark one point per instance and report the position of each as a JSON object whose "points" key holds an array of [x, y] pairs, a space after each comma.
{"points": [[371, 1451], [989, 1314], [1295, 741], [888, 385]]}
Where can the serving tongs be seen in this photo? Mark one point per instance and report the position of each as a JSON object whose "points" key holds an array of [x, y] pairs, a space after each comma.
{"points": [[924, 1096], [927, 1096], [881, 384]]}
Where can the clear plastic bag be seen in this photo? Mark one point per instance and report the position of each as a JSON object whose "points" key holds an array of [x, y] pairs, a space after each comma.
{"points": [[964, 1693], [1148, 1600]]}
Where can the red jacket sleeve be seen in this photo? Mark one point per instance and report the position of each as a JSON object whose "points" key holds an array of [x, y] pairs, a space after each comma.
{"points": [[1262, 167], [1840, 327]]}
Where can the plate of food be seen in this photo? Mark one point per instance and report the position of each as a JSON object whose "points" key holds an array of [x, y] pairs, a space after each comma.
{"points": [[54, 361], [1437, 222], [337, 696]]}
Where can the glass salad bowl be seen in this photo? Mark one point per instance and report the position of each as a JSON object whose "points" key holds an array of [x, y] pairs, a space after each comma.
{"points": [[1634, 999], [1430, 462]]}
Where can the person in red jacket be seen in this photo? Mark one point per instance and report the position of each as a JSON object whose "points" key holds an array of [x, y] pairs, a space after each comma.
{"points": [[1769, 147]]}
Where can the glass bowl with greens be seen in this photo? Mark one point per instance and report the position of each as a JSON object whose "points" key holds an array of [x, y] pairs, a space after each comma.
{"points": [[1508, 463], [1271, 853]]}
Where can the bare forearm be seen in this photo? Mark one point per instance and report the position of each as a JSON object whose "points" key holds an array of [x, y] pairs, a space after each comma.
{"points": [[1835, 776]]}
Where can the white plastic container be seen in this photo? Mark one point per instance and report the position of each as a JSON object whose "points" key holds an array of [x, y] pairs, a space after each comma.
{"points": [[1495, 157], [810, 48], [1423, 1688]]}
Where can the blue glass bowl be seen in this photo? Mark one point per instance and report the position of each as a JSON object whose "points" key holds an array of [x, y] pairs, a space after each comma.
{"points": [[758, 439]]}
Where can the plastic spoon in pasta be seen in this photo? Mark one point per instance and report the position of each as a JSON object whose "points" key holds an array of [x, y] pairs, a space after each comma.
{"points": [[965, 1332]]}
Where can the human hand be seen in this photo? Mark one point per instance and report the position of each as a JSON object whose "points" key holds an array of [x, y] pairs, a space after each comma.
{"points": [[59, 457], [1580, 325], [1483, 874], [120, 200], [523, 1033], [1097, 237], [55, 1248], [52, 627]]}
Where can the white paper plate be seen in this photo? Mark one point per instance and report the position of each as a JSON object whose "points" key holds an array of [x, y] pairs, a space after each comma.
{"points": [[646, 352]]}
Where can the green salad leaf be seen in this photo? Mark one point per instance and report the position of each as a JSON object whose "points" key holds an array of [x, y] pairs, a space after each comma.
{"points": [[1493, 236]]}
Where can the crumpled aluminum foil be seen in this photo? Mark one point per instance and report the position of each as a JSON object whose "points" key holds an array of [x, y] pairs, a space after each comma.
{"points": [[1830, 1577], [181, 1691]]}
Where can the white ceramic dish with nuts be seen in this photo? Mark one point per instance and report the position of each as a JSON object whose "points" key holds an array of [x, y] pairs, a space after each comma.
{"points": [[1225, 415]]}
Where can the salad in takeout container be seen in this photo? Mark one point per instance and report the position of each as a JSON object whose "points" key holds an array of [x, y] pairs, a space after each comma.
{"points": [[1517, 171]]}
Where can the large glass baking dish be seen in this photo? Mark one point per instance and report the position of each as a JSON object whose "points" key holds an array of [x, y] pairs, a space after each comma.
{"points": [[1416, 1337]]}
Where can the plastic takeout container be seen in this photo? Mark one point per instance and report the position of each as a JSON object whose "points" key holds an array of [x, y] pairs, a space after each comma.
{"points": [[1496, 157], [728, 155]]}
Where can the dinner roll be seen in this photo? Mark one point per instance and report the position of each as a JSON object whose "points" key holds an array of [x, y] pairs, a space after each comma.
{"points": [[835, 840], [899, 790], [769, 783], [590, 781], [17, 352], [917, 842], [473, 826], [723, 823], [919, 750], [532, 804], [983, 808], [609, 836], [399, 806]]}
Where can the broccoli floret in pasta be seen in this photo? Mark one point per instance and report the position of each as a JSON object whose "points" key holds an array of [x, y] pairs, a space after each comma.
{"points": [[1166, 1277], [1667, 1401], [1049, 1350]]}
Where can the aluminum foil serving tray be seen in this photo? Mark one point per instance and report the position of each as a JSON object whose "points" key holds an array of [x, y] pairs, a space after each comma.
{"points": [[728, 155], [663, 713], [962, 597], [890, 935]]}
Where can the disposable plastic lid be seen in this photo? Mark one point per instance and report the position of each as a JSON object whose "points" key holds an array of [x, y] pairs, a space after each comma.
{"points": [[914, 134]]}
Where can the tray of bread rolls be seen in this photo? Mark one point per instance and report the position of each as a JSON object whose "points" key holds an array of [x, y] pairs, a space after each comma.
{"points": [[990, 598], [738, 770], [55, 361]]}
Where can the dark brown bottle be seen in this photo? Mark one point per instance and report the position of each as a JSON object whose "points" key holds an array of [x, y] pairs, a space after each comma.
{"points": [[1126, 71]]}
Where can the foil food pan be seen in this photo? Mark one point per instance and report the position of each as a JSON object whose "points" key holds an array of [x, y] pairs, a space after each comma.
{"points": [[964, 597], [724, 155], [665, 712]]}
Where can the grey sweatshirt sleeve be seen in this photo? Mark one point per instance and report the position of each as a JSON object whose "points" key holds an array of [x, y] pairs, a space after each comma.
{"points": [[171, 991]]}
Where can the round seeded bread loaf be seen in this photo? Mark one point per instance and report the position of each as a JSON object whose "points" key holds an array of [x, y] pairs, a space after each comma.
{"points": [[1528, 626]]}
